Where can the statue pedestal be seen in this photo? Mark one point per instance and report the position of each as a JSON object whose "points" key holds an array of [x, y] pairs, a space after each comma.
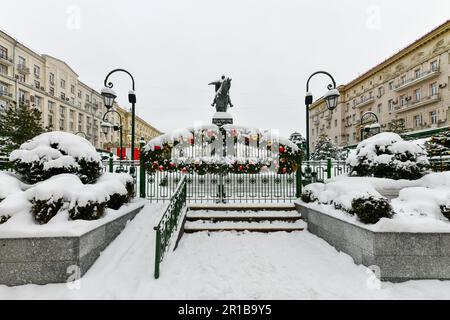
{"points": [[222, 118]]}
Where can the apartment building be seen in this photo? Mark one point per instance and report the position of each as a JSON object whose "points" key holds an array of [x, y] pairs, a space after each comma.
{"points": [[143, 129], [49, 84], [409, 93]]}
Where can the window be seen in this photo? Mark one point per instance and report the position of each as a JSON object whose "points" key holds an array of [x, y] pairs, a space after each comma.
{"points": [[52, 91], [51, 106], [380, 91], [347, 107], [3, 52], [391, 85], [417, 73], [3, 88], [37, 71], [335, 122], [403, 80], [79, 94], [3, 69], [379, 108], [63, 96], [37, 84], [391, 105], [434, 65], [50, 121], [52, 79], [87, 97], [434, 89], [433, 117], [72, 89], [418, 94], [37, 101], [21, 78], [418, 121], [22, 96], [403, 101], [22, 61], [63, 84]]}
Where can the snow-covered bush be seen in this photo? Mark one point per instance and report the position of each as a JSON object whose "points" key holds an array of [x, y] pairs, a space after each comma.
{"points": [[54, 153], [350, 198], [10, 196], [119, 193], [83, 201], [387, 155], [8, 185], [44, 210], [370, 209]]}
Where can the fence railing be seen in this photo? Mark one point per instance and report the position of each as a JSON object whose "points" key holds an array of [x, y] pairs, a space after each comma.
{"points": [[320, 170], [440, 163], [223, 188], [169, 223]]}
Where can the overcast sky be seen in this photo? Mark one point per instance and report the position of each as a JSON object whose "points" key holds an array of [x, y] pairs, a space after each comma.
{"points": [[174, 48]]}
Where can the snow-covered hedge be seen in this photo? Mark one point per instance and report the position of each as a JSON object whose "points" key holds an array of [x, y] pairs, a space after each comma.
{"points": [[46, 199], [387, 155], [356, 199], [54, 153]]}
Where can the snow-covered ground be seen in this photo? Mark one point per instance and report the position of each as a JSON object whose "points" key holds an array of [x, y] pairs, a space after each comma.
{"points": [[227, 266]]}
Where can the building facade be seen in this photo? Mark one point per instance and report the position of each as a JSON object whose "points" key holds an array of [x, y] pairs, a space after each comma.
{"points": [[52, 86], [409, 93], [143, 129]]}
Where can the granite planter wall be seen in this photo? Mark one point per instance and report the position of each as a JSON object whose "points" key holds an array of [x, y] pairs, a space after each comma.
{"points": [[399, 256], [55, 259]]}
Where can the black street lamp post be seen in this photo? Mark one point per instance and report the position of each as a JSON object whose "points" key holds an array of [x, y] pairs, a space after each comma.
{"points": [[374, 128], [105, 127], [331, 98], [109, 95]]}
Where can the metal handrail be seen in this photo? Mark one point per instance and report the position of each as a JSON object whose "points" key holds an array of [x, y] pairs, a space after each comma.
{"points": [[169, 223]]}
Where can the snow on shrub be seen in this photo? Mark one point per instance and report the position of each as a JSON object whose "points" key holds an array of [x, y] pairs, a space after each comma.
{"points": [[90, 202], [9, 184], [54, 153], [370, 209], [387, 155], [349, 198], [83, 201], [48, 197], [11, 196], [432, 202]]}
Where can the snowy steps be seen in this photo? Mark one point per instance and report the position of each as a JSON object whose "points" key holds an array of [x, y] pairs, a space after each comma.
{"points": [[241, 218]]}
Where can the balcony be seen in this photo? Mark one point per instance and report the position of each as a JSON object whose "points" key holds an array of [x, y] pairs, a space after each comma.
{"points": [[23, 69], [364, 102], [418, 103], [5, 60], [422, 77], [6, 94]]}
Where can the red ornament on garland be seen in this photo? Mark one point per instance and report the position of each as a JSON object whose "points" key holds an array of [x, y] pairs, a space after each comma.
{"points": [[161, 168], [282, 149], [157, 147], [284, 170]]}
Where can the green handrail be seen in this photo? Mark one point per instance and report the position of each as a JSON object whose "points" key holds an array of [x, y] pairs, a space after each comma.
{"points": [[169, 223]]}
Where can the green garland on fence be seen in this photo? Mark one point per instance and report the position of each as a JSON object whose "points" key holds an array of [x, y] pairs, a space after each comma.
{"points": [[159, 159]]}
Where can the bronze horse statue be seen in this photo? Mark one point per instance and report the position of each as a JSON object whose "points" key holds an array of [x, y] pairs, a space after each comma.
{"points": [[222, 99]]}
